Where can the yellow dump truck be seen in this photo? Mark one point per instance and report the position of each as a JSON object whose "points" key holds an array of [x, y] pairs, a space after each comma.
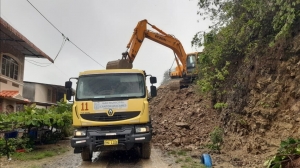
{"points": [[111, 111]]}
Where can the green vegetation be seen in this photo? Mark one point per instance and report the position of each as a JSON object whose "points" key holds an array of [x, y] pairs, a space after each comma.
{"points": [[185, 160], [181, 153], [220, 105], [40, 154], [59, 117], [288, 150], [216, 137], [239, 29]]}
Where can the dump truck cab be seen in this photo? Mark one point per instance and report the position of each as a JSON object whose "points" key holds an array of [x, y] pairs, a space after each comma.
{"points": [[111, 111]]}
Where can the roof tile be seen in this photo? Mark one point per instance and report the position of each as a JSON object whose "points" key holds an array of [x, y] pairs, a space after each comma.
{"points": [[9, 93]]}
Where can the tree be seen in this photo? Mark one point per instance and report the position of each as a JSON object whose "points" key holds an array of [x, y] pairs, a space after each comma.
{"points": [[166, 77], [240, 27]]}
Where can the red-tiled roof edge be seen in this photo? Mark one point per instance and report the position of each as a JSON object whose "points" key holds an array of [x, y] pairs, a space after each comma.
{"points": [[9, 93], [8, 26]]}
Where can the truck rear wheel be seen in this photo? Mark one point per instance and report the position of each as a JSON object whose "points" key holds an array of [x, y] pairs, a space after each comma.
{"points": [[86, 154], [146, 150]]}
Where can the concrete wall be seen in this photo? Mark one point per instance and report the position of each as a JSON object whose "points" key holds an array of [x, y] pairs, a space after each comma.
{"points": [[7, 83], [41, 93], [17, 55]]}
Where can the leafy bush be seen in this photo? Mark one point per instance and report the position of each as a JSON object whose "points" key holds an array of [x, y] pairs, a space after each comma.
{"points": [[59, 116], [289, 150], [216, 137], [239, 28], [13, 144]]}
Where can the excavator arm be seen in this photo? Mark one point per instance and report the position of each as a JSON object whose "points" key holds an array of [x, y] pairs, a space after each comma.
{"points": [[140, 33]]}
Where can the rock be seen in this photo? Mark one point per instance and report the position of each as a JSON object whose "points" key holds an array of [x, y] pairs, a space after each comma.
{"points": [[195, 154], [168, 144], [176, 142], [182, 124]]}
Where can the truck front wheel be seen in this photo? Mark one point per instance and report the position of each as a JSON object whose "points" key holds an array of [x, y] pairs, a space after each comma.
{"points": [[86, 154], [146, 150]]}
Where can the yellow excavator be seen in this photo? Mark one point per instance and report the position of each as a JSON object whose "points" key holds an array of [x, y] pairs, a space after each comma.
{"points": [[186, 63]]}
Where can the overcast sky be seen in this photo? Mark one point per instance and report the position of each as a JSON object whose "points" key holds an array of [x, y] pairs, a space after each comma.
{"points": [[101, 29]]}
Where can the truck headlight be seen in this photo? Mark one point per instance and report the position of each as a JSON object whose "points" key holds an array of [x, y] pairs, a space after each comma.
{"points": [[142, 129], [79, 133]]}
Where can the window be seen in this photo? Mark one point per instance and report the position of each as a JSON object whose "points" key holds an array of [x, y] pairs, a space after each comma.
{"points": [[9, 67], [111, 86]]}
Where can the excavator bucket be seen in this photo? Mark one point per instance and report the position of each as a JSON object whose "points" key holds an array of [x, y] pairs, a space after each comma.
{"points": [[174, 84], [119, 64]]}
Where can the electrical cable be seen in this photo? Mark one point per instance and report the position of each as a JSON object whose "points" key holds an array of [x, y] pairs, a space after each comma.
{"points": [[46, 66], [44, 16], [61, 71], [86, 54], [63, 35], [38, 64], [62, 45]]}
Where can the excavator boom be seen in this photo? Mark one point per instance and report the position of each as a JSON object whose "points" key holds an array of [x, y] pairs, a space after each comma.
{"points": [[140, 33]]}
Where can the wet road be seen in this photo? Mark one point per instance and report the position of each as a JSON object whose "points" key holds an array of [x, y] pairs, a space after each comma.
{"points": [[113, 159], [124, 159]]}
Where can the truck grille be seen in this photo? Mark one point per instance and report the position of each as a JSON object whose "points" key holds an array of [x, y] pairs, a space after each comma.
{"points": [[116, 117]]}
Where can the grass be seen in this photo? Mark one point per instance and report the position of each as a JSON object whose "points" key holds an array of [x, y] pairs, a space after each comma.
{"points": [[178, 160], [39, 154], [171, 152], [183, 158], [181, 153]]}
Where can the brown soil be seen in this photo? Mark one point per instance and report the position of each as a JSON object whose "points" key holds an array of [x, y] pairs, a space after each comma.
{"points": [[263, 98]]}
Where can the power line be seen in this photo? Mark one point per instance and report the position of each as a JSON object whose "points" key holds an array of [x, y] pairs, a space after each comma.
{"points": [[43, 16], [37, 64], [86, 54], [62, 45], [63, 35]]}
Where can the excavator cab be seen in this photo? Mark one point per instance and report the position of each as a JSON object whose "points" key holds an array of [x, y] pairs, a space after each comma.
{"points": [[191, 63]]}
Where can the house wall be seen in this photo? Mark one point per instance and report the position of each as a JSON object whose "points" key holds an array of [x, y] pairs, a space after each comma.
{"points": [[17, 55], [7, 83], [41, 93], [8, 102]]}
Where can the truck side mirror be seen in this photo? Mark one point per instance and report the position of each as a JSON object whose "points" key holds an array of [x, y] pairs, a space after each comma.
{"points": [[153, 91], [68, 84], [69, 94], [153, 80]]}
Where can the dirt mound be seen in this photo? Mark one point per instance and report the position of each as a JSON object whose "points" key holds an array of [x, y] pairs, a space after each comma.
{"points": [[263, 99], [181, 118]]}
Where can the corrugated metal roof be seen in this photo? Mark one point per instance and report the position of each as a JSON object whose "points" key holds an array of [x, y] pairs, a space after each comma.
{"points": [[12, 37]]}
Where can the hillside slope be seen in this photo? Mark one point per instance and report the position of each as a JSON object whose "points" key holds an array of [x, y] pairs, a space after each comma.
{"points": [[263, 109]]}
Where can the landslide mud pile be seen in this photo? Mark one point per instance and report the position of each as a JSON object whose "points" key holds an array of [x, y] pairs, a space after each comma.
{"points": [[181, 118]]}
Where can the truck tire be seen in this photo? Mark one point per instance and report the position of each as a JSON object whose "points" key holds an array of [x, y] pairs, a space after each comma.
{"points": [[86, 155], [146, 150]]}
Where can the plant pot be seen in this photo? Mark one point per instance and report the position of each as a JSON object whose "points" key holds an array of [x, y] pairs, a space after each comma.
{"points": [[20, 150]]}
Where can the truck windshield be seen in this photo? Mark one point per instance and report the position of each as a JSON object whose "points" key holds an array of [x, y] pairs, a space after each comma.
{"points": [[102, 86]]}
